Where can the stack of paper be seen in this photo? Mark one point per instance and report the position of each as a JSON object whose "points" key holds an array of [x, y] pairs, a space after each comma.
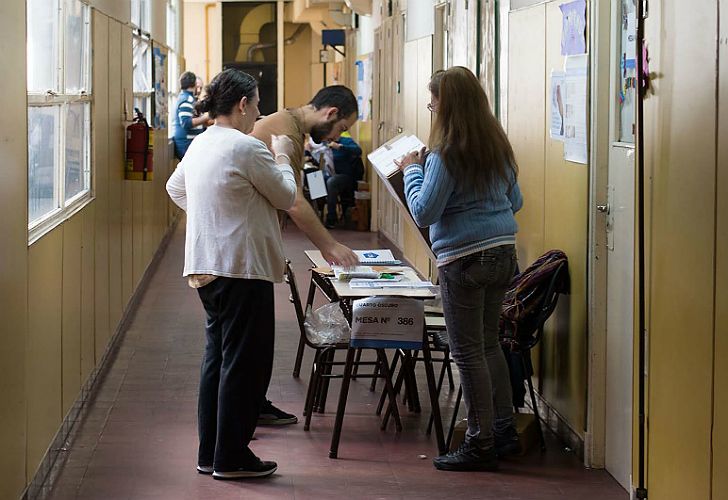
{"points": [[346, 273], [383, 158]]}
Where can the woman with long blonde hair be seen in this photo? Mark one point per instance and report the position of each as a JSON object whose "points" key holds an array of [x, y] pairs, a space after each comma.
{"points": [[467, 192]]}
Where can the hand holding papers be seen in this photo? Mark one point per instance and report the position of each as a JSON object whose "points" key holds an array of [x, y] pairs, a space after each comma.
{"points": [[384, 158]]}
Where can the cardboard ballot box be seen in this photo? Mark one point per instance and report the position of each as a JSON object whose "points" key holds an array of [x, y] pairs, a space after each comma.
{"points": [[387, 322]]}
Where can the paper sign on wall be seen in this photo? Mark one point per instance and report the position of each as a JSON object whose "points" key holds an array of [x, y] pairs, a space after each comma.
{"points": [[387, 322], [573, 32], [557, 105]]}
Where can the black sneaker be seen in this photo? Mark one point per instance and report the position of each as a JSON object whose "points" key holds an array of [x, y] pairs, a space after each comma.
{"points": [[270, 415], [204, 469], [256, 468], [468, 457], [507, 443]]}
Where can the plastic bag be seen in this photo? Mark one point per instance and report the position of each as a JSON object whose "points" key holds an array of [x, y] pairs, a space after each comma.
{"points": [[327, 325]]}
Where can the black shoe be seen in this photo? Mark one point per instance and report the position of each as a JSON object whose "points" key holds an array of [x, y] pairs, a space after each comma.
{"points": [[468, 457], [204, 469], [507, 443], [256, 468], [270, 415], [330, 224]]}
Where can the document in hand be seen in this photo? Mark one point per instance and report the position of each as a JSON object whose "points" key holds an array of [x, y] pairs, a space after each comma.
{"points": [[377, 257], [383, 157], [392, 178]]}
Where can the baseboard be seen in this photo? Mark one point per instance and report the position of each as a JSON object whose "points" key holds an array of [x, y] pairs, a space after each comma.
{"points": [[50, 466], [558, 424]]}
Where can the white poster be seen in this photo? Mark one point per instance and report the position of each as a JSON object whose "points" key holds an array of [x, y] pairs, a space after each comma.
{"points": [[557, 105], [575, 105], [364, 88]]}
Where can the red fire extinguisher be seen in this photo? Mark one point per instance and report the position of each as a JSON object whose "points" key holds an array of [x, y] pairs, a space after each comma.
{"points": [[139, 149]]}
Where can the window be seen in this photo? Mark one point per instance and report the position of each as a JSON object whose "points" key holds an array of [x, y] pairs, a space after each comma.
{"points": [[142, 74], [172, 63], [59, 112], [140, 15]]}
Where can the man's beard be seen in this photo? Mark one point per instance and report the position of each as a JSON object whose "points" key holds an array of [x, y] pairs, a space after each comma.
{"points": [[321, 132]]}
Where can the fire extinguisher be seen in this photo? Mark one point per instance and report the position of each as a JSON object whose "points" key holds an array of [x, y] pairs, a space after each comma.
{"points": [[139, 149]]}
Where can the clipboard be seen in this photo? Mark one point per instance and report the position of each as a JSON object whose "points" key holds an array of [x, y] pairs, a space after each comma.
{"points": [[382, 159]]}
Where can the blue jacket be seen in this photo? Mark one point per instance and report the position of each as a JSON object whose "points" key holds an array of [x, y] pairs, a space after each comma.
{"points": [[461, 221], [348, 158], [184, 132]]}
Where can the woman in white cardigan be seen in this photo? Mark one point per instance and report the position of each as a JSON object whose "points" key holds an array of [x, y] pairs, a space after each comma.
{"points": [[231, 186]]}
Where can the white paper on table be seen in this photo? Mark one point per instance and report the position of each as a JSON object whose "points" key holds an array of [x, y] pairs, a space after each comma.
{"points": [[363, 283], [316, 184]]}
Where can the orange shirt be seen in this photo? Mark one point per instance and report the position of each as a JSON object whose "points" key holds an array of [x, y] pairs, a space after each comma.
{"points": [[287, 122]]}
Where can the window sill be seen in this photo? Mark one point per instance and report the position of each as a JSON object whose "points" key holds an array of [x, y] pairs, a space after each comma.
{"points": [[57, 217]]}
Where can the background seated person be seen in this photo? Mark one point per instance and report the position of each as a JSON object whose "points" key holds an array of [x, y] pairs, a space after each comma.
{"points": [[348, 168]]}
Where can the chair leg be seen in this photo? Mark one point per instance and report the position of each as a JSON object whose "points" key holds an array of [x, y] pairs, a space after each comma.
{"points": [[357, 360], [299, 358], [336, 436], [325, 381], [454, 418], [301, 341], [373, 386], [440, 380], [434, 401], [534, 405], [312, 382], [448, 364]]}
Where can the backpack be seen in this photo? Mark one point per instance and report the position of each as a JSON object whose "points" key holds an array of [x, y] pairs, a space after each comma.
{"points": [[531, 298]]}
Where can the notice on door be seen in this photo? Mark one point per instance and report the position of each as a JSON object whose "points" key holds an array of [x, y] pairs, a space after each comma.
{"points": [[387, 322]]}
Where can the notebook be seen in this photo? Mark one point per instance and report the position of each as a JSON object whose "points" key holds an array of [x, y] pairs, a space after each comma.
{"points": [[377, 257]]}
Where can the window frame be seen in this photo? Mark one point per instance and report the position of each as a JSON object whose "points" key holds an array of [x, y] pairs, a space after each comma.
{"points": [[58, 98]]}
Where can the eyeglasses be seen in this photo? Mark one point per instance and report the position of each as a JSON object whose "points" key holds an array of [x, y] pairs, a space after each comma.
{"points": [[431, 107]]}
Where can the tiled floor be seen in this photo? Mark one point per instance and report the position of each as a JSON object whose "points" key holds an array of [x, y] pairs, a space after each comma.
{"points": [[139, 439]]}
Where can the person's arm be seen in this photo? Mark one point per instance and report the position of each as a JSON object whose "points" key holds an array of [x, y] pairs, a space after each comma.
{"points": [[187, 118], [428, 191], [514, 195], [176, 187], [349, 145], [307, 221], [275, 182]]}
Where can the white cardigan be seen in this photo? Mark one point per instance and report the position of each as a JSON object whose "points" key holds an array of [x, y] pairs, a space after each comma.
{"points": [[230, 187]]}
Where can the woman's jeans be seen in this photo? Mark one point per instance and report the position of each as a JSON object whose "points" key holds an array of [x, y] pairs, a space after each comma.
{"points": [[473, 288]]}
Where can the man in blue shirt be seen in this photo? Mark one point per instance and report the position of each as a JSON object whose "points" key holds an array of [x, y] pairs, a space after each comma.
{"points": [[348, 168], [186, 125]]}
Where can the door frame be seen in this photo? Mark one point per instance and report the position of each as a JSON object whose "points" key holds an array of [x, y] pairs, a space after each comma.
{"points": [[600, 76]]}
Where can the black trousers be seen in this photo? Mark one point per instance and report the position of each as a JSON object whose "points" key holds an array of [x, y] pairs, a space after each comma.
{"points": [[236, 368]]}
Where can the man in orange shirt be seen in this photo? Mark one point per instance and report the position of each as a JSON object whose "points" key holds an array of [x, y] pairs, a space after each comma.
{"points": [[332, 111]]}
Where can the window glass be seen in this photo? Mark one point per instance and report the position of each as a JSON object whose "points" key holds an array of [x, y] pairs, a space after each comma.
{"points": [[42, 45], [77, 174], [142, 65], [42, 160], [74, 48]]}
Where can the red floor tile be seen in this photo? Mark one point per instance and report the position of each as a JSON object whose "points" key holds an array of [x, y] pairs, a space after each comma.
{"points": [[139, 439]]}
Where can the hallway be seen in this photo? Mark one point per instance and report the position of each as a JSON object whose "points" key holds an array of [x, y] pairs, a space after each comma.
{"points": [[138, 439]]}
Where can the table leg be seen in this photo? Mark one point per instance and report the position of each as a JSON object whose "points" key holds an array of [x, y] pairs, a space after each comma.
{"points": [[389, 388], [434, 400], [334, 450]]}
